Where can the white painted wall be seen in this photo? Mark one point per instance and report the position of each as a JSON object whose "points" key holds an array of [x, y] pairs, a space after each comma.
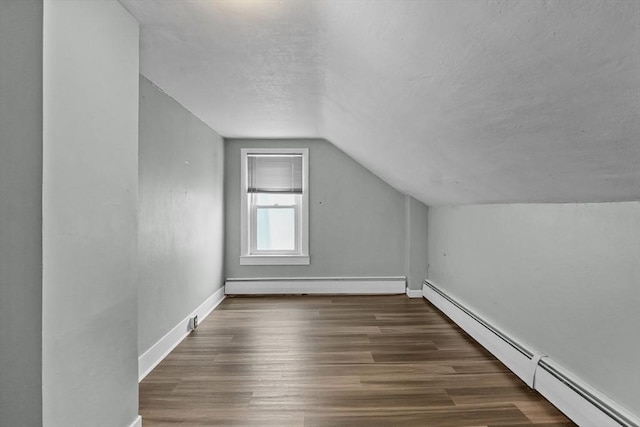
{"points": [[90, 169], [181, 225], [356, 220], [416, 240], [20, 212], [564, 279]]}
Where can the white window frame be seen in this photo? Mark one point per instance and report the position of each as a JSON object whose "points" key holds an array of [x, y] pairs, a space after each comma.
{"points": [[248, 253]]}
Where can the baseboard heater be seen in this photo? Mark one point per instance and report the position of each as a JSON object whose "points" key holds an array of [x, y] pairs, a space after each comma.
{"points": [[580, 403], [316, 286]]}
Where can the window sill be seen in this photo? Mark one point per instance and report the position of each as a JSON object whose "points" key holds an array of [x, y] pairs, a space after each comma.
{"points": [[274, 260]]}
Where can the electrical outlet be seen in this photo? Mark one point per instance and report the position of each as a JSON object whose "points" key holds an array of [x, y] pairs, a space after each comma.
{"points": [[195, 321]]}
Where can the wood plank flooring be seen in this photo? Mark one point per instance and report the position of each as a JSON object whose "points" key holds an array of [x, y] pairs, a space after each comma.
{"points": [[336, 361]]}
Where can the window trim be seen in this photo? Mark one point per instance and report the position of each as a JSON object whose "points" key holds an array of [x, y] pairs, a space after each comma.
{"points": [[302, 229]]}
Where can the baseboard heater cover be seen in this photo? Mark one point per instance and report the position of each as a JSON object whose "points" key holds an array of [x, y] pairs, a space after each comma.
{"points": [[316, 286], [578, 401]]}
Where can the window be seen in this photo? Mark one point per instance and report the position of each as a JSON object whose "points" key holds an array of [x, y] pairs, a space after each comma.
{"points": [[274, 207]]}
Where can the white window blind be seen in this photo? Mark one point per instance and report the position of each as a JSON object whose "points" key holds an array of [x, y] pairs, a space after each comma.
{"points": [[281, 173]]}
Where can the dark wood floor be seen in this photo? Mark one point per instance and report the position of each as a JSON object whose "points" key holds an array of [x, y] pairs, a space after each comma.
{"points": [[336, 361]]}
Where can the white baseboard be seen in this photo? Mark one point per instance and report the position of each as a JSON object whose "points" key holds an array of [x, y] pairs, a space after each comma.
{"points": [[316, 286], [414, 293], [154, 355], [137, 422], [566, 399]]}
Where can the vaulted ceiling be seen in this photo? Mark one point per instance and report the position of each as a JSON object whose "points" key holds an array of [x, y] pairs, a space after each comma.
{"points": [[452, 102]]}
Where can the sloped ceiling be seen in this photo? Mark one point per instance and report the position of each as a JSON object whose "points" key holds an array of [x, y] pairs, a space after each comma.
{"points": [[452, 102]]}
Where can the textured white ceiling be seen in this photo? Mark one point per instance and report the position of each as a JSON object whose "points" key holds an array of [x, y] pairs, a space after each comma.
{"points": [[452, 102]]}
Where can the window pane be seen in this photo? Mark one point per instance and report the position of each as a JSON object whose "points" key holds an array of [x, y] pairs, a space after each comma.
{"points": [[275, 199], [275, 229]]}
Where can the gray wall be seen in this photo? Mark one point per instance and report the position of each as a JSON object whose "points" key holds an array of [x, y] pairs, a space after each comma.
{"points": [[20, 212], [562, 278], [181, 229], [416, 241], [356, 221], [90, 169]]}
